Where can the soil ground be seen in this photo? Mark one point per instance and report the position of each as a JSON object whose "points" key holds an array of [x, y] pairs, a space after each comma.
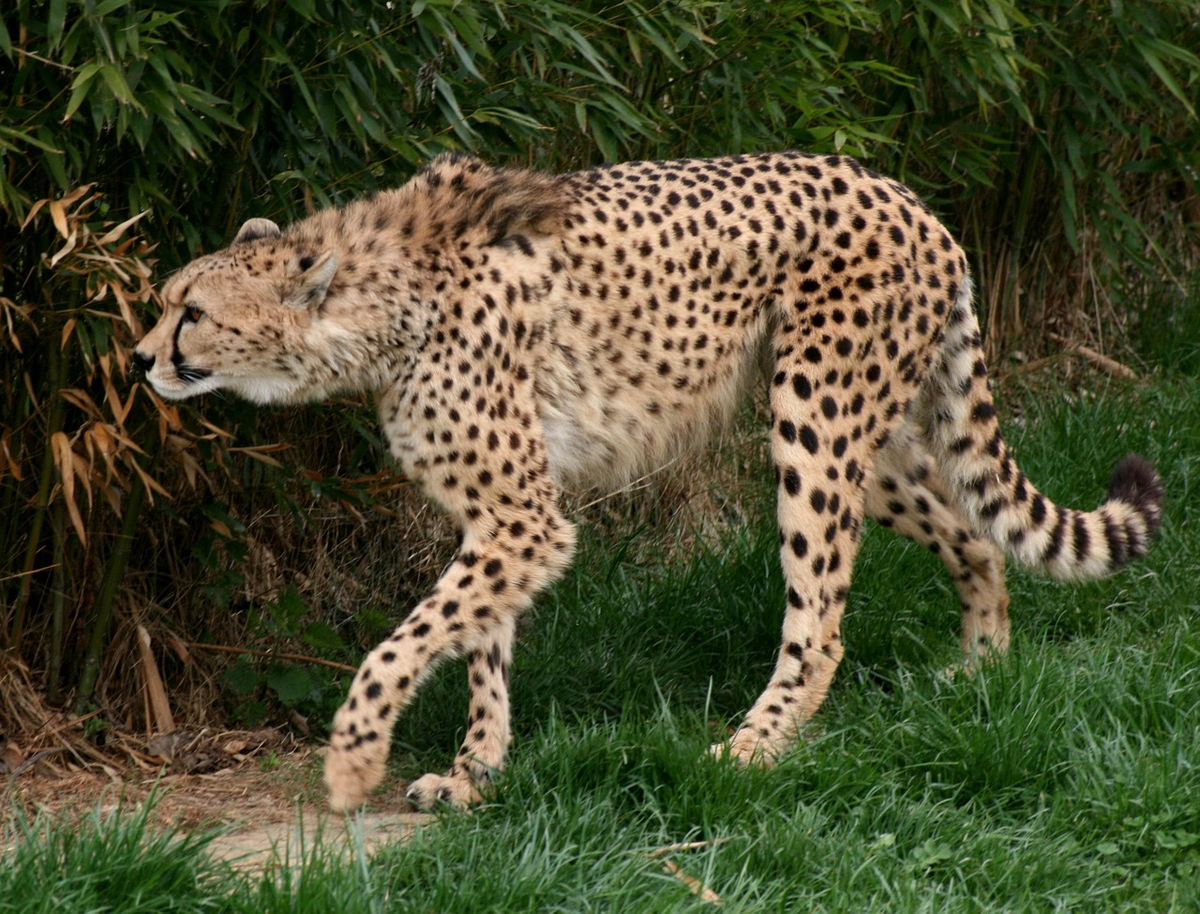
{"points": [[266, 808]]}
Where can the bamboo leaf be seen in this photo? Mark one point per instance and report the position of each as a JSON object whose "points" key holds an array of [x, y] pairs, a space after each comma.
{"points": [[118, 230], [117, 84], [256, 453], [109, 6], [11, 463], [56, 22], [67, 248], [1152, 51], [58, 215], [64, 460], [151, 484], [18, 136]]}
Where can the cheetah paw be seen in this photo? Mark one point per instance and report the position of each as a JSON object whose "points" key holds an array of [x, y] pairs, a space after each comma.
{"points": [[746, 747], [456, 788], [348, 782]]}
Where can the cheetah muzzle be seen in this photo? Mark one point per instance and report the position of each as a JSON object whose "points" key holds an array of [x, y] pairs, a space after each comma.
{"points": [[524, 331]]}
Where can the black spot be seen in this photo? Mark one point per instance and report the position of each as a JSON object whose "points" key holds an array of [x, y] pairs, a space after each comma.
{"points": [[983, 412], [799, 545], [808, 438], [791, 481]]}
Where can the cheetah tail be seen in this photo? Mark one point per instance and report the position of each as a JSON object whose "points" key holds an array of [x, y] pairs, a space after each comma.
{"points": [[963, 434]]}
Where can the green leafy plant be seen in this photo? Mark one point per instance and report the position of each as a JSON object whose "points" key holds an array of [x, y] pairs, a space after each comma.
{"points": [[305, 686]]}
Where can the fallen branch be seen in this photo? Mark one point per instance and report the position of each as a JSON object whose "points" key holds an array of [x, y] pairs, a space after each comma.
{"points": [[298, 658], [1104, 363], [686, 846], [698, 888], [671, 868]]}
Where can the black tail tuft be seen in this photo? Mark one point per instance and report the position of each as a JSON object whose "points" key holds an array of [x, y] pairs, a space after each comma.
{"points": [[1137, 483]]}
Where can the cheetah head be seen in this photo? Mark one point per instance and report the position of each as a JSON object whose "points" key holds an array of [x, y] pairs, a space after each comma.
{"points": [[247, 319]]}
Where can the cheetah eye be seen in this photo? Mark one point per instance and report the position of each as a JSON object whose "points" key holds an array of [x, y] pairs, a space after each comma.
{"points": [[191, 314]]}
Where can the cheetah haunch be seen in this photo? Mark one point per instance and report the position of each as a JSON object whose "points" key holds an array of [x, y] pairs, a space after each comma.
{"points": [[521, 331]]}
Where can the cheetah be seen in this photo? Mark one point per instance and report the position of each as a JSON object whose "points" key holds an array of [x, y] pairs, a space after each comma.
{"points": [[522, 332]]}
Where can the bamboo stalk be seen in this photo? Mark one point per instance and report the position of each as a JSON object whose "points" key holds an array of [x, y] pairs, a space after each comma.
{"points": [[107, 596], [54, 421], [57, 609]]}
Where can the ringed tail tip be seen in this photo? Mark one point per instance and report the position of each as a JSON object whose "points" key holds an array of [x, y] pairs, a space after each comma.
{"points": [[1136, 483]]}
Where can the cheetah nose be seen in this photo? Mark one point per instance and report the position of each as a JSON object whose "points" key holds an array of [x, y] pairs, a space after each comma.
{"points": [[143, 361]]}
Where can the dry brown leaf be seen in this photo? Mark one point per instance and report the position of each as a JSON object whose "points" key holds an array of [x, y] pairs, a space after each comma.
{"points": [[14, 468], [67, 330], [33, 211], [126, 311], [112, 496], [152, 485], [81, 401], [118, 230], [126, 442], [65, 249], [698, 888], [217, 430], [99, 438], [58, 215], [64, 459], [118, 408], [168, 416], [31, 391], [257, 453], [12, 309], [192, 469]]}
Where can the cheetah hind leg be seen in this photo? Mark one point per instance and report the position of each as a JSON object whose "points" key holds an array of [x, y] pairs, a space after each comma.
{"points": [[906, 495], [820, 509], [481, 757]]}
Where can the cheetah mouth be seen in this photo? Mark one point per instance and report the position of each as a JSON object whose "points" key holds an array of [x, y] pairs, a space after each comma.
{"points": [[189, 375], [186, 381]]}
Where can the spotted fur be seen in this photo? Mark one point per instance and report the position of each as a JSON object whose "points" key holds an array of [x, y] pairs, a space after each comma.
{"points": [[523, 331]]}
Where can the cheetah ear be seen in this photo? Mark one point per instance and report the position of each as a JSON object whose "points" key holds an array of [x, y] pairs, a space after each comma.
{"points": [[308, 290], [254, 229]]}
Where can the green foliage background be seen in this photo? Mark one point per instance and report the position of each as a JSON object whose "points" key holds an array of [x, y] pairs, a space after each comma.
{"points": [[1059, 139]]}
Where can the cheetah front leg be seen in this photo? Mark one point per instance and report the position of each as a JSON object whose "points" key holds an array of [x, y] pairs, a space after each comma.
{"points": [[485, 746], [472, 608]]}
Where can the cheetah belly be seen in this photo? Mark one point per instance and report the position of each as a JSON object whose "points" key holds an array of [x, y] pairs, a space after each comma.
{"points": [[602, 429]]}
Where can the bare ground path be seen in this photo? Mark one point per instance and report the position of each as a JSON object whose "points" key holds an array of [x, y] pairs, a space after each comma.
{"points": [[266, 812]]}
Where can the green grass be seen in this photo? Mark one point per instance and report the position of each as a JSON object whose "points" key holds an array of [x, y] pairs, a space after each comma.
{"points": [[1066, 777], [106, 861]]}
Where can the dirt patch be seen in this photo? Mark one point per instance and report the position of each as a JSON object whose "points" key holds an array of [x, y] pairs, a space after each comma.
{"points": [[269, 809]]}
